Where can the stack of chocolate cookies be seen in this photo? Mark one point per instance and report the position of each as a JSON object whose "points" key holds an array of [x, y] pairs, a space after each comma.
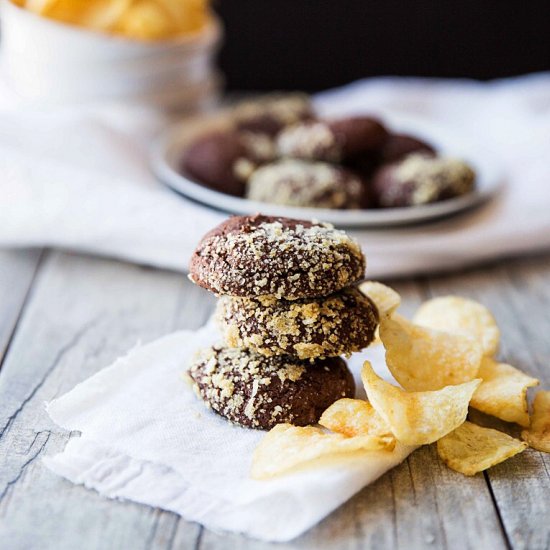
{"points": [[288, 310]]}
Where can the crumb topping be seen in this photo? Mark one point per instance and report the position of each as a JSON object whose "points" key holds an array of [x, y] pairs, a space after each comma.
{"points": [[220, 374], [341, 323], [431, 177], [287, 109], [300, 183], [277, 257], [243, 168], [309, 141], [259, 147], [259, 392]]}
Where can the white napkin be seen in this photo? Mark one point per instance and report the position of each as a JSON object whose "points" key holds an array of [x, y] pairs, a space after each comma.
{"points": [[78, 178], [146, 437]]}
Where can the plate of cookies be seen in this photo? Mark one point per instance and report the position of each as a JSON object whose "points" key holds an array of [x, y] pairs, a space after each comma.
{"points": [[278, 156]]}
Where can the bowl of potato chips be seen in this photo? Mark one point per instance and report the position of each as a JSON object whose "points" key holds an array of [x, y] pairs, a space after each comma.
{"points": [[152, 51]]}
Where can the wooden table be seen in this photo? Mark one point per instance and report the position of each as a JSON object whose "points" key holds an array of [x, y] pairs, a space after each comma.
{"points": [[64, 317]]}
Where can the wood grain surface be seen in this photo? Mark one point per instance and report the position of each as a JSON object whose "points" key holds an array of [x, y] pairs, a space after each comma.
{"points": [[64, 317]]}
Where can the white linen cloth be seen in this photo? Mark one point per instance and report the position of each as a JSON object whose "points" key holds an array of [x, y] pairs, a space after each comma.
{"points": [[77, 177], [146, 437]]}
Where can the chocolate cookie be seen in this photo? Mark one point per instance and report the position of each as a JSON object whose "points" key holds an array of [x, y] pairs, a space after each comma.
{"points": [[331, 141], [420, 179], [341, 323], [259, 392], [271, 114], [224, 160], [358, 135], [259, 255], [301, 183], [398, 146]]}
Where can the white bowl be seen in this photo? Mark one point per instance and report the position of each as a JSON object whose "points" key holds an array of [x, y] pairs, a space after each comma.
{"points": [[52, 62], [203, 96]]}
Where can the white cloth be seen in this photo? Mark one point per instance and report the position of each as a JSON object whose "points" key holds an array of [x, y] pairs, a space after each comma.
{"points": [[77, 177], [146, 437]]}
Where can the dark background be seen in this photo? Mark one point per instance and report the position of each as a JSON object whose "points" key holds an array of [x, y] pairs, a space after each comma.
{"points": [[316, 44]]}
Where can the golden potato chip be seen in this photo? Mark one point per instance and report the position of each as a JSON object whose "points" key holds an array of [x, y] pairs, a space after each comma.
{"points": [[93, 14], [63, 10], [37, 6], [287, 446], [471, 449], [538, 434], [461, 316], [503, 392], [189, 15], [385, 298], [147, 21], [141, 19], [418, 418], [425, 359], [104, 15], [352, 417]]}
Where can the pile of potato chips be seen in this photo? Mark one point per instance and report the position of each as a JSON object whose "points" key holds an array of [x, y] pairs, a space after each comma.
{"points": [[139, 19], [444, 361]]}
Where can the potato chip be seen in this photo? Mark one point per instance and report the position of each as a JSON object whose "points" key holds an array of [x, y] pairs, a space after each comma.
{"points": [[385, 298], [146, 21], [538, 434], [189, 15], [141, 19], [418, 418], [503, 392], [37, 6], [104, 17], [461, 316], [352, 417], [287, 446], [423, 359], [93, 14], [471, 449]]}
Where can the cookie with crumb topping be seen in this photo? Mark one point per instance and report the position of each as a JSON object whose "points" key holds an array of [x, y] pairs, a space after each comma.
{"points": [[419, 179], [338, 324], [223, 160], [332, 140], [256, 391], [296, 182], [251, 256], [270, 114], [398, 146]]}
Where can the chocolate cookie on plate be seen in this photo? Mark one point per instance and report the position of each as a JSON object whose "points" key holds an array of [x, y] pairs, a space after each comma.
{"points": [[332, 140], [269, 115], [420, 179], [341, 323], [259, 392], [224, 160], [253, 256], [398, 146], [296, 182]]}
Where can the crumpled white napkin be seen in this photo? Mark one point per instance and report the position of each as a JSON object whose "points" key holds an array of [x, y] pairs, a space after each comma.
{"points": [[146, 437], [78, 178]]}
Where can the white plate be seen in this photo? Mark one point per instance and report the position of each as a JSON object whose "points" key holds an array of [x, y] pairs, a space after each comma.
{"points": [[167, 151]]}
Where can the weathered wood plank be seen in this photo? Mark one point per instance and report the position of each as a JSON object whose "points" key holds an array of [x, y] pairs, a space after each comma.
{"points": [[420, 504], [17, 270], [83, 314], [518, 293]]}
